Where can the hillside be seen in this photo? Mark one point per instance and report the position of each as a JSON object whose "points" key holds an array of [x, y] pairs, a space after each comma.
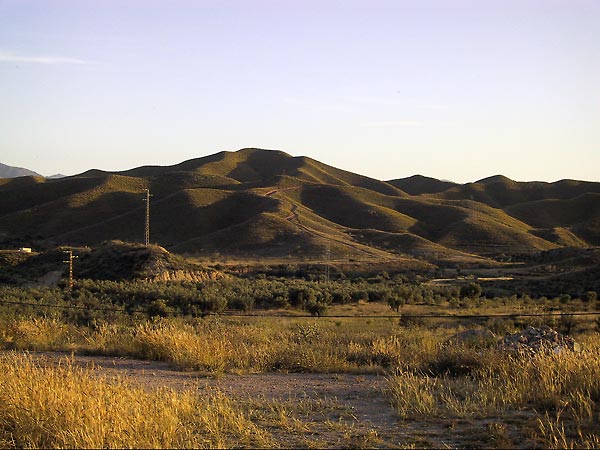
{"points": [[257, 203], [112, 260]]}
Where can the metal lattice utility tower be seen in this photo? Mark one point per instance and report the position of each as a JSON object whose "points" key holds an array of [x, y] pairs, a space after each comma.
{"points": [[147, 231], [69, 261]]}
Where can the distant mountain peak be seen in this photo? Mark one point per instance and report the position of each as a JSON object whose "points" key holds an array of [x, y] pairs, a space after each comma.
{"points": [[421, 184], [495, 179], [251, 150], [14, 172]]}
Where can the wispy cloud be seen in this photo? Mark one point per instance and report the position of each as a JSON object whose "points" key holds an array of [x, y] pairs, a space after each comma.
{"points": [[435, 106], [381, 100], [322, 104], [12, 58], [392, 123]]}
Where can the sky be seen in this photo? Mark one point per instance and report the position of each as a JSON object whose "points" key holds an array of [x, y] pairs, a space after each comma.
{"points": [[452, 89]]}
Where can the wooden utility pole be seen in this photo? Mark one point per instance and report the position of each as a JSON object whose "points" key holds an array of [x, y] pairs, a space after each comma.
{"points": [[327, 258], [69, 261], [147, 231]]}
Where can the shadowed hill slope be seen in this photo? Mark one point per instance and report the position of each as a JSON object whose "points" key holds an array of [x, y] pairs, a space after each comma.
{"points": [[580, 215], [262, 202], [558, 212], [501, 192]]}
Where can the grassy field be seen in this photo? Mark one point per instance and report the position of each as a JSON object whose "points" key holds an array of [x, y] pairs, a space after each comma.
{"points": [[550, 401], [545, 400]]}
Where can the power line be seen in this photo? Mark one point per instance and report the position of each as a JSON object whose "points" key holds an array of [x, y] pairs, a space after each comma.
{"points": [[81, 307], [414, 316], [335, 316]]}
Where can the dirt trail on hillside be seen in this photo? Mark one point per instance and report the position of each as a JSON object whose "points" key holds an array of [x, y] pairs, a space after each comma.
{"points": [[294, 219]]}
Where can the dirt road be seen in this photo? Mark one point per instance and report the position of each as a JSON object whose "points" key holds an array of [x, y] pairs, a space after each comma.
{"points": [[300, 410]]}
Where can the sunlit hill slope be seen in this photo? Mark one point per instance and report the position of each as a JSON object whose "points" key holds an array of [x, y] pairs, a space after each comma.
{"points": [[267, 203]]}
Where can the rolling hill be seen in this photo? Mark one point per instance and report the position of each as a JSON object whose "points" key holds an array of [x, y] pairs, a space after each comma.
{"points": [[263, 203]]}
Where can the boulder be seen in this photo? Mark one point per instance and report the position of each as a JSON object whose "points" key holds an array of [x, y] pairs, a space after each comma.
{"points": [[533, 340]]}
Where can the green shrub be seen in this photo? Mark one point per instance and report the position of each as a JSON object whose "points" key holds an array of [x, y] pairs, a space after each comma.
{"points": [[471, 290]]}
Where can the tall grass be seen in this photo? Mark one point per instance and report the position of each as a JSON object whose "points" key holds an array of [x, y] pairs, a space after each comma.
{"points": [[562, 390], [223, 346], [39, 334], [214, 345], [67, 406]]}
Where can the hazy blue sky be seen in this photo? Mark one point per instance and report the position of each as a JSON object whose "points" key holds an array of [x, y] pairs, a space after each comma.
{"points": [[452, 89]]}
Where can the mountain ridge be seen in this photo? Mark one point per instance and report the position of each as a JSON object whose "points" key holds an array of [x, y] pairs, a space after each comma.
{"points": [[269, 203]]}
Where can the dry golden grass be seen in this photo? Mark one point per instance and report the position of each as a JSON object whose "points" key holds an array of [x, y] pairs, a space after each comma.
{"points": [[68, 407], [38, 334], [561, 390], [215, 345], [552, 433]]}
